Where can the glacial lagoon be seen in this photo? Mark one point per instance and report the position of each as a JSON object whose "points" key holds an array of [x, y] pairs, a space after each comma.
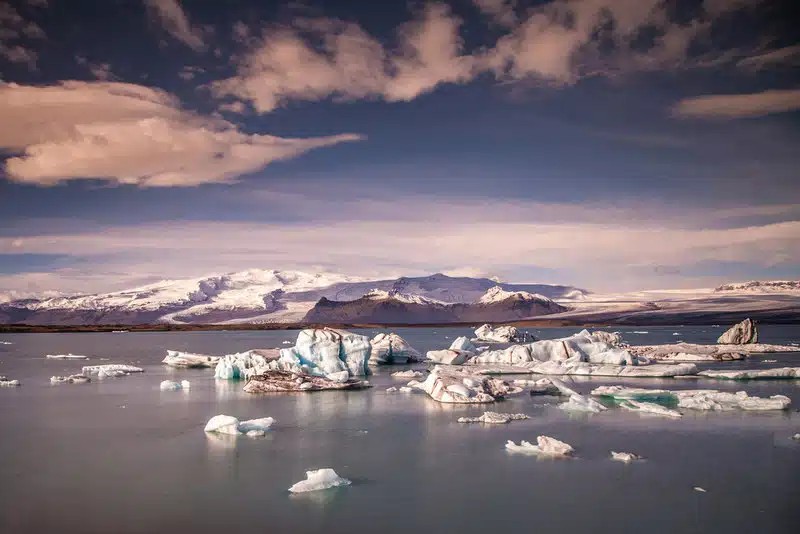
{"points": [[121, 455]]}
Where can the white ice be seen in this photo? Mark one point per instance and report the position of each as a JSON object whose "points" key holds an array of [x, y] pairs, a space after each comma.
{"points": [[387, 349], [545, 446], [753, 374], [494, 418], [500, 334], [449, 356], [335, 354], [66, 357], [626, 457], [697, 399], [579, 403], [71, 379], [6, 383], [111, 370], [650, 408], [319, 479], [227, 424], [241, 365], [406, 375], [453, 387], [176, 358], [173, 385]]}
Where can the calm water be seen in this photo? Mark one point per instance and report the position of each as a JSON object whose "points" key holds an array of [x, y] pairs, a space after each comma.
{"points": [[122, 456]]}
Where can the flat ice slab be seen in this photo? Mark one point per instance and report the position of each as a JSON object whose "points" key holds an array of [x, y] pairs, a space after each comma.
{"points": [[455, 387], [494, 418], [408, 375], [66, 357], [274, 381], [71, 379], [112, 370], [189, 360], [696, 399], [684, 352], [319, 479], [753, 374], [227, 424], [650, 408], [545, 446], [6, 383]]}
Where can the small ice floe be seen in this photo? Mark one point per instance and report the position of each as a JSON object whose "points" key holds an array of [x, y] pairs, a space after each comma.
{"points": [[753, 374], [626, 457], [405, 389], [66, 357], [676, 333], [650, 408], [174, 385], [543, 386], [494, 418], [697, 399], [769, 361], [407, 375], [392, 390], [6, 383], [71, 379], [545, 446], [227, 424], [272, 381], [640, 332], [579, 403], [189, 360], [6, 343], [698, 488], [796, 436], [286, 342], [111, 370], [319, 479]]}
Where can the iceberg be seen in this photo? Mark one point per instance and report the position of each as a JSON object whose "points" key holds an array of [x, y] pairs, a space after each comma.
{"points": [[545, 446], [319, 479], [6, 383], [463, 343], [740, 334], [189, 360], [696, 399], [449, 356], [172, 385], [453, 387], [408, 375], [494, 418], [271, 381], [591, 369], [626, 457], [650, 408], [66, 357], [543, 386], [227, 424], [243, 365], [500, 334], [71, 379], [691, 352], [328, 352], [112, 370], [579, 403], [390, 349], [753, 374]]}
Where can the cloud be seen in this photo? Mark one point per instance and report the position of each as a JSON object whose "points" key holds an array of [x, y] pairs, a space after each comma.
{"points": [[557, 43], [170, 15], [739, 105], [101, 71], [15, 35], [788, 56], [128, 134]]}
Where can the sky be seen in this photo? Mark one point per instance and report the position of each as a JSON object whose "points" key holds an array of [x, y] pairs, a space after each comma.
{"points": [[609, 144]]}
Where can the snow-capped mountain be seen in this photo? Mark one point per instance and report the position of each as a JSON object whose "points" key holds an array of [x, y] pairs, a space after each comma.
{"points": [[498, 294], [254, 295]]}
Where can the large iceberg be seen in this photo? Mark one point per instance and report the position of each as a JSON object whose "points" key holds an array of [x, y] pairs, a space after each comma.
{"points": [[227, 424], [390, 349], [696, 399], [545, 446], [112, 370], [500, 334], [494, 418], [453, 387], [319, 479], [336, 354], [740, 334], [753, 374], [180, 359], [276, 380]]}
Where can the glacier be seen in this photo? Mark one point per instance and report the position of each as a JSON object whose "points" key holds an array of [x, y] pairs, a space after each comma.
{"points": [[319, 479]]}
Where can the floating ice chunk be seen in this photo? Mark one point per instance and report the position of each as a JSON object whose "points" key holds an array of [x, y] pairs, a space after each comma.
{"points": [[796, 436], [405, 389], [449, 386], [243, 365], [71, 379], [740, 334], [171, 385], [410, 374], [226, 424], [180, 359], [640, 332], [683, 352], [546, 446], [274, 380], [6, 343], [753, 374], [626, 457], [579, 403], [769, 361], [650, 408], [319, 479], [591, 369], [449, 356], [696, 399], [463, 343], [112, 370], [327, 351], [391, 349], [500, 334], [6, 383], [494, 418], [636, 394], [66, 357], [543, 386], [392, 390], [698, 488]]}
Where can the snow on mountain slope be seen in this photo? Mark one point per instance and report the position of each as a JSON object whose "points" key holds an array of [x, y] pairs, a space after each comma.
{"points": [[379, 294], [498, 294]]}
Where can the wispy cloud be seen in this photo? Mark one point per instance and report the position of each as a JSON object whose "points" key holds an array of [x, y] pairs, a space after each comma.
{"points": [[170, 15], [129, 134], [739, 106], [788, 56]]}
